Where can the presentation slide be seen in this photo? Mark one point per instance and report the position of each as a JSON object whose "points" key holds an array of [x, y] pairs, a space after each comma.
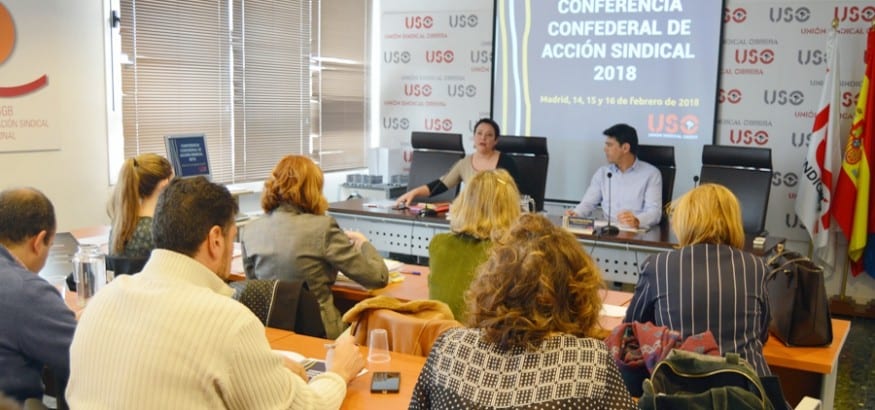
{"points": [[569, 69]]}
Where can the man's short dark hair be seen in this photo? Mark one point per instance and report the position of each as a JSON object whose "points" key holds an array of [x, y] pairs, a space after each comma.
{"points": [[624, 134], [24, 213], [186, 211]]}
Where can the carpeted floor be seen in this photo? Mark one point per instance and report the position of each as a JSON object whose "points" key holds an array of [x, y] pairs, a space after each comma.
{"points": [[855, 388]]}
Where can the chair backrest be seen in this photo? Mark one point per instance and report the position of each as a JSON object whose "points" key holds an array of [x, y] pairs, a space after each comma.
{"points": [[434, 153], [745, 171], [531, 158], [122, 265], [661, 157], [281, 304]]}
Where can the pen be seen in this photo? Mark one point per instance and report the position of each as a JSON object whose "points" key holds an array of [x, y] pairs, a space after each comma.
{"points": [[411, 272]]}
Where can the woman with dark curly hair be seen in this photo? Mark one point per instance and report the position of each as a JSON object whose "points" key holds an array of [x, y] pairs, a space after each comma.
{"points": [[296, 240], [533, 313]]}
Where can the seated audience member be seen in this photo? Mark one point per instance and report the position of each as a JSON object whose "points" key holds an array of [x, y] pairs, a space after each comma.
{"points": [[533, 313], [635, 186], [36, 326], [484, 158], [140, 180], [296, 240], [171, 337], [489, 204], [709, 283]]}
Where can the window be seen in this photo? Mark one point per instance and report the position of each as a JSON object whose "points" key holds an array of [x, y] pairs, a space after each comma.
{"points": [[238, 71]]}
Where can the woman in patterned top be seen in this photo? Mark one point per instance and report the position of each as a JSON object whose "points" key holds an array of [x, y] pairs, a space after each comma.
{"points": [[140, 181], [533, 313]]}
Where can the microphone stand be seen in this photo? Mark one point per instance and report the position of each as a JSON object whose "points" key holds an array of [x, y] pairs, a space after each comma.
{"points": [[609, 230]]}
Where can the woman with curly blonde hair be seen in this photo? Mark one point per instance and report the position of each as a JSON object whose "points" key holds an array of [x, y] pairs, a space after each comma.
{"points": [[296, 240], [489, 204], [532, 314]]}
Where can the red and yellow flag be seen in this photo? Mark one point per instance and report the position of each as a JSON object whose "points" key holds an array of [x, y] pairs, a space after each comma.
{"points": [[853, 207]]}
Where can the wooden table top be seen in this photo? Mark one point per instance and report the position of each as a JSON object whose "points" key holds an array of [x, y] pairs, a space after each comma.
{"points": [[821, 360], [358, 392]]}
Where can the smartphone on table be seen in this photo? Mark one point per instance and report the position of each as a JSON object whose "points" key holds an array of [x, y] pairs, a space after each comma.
{"points": [[385, 382]]}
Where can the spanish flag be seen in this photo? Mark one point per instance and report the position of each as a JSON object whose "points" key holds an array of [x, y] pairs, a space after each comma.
{"points": [[853, 209]]}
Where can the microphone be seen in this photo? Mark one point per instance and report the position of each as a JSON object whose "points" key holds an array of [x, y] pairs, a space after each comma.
{"points": [[695, 181], [609, 230]]}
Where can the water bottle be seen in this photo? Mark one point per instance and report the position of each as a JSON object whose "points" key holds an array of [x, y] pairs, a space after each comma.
{"points": [[89, 272]]}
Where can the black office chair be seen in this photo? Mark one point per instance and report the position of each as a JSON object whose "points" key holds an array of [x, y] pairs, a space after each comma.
{"points": [[661, 157], [745, 171], [531, 158], [122, 265], [434, 153], [287, 305]]}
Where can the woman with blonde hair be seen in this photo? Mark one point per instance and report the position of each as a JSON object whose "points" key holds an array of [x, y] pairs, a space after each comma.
{"points": [[709, 282], [140, 182], [489, 204], [296, 240], [533, 312]]}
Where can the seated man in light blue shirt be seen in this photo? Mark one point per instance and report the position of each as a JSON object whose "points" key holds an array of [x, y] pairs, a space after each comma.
{"points": [[635, 186]]}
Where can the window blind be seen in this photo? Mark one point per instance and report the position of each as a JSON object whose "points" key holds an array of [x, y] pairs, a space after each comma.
{"points": [[235, 70]]}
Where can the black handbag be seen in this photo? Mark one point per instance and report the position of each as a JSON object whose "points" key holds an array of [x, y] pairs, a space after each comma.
{"points": [[798, 301]]}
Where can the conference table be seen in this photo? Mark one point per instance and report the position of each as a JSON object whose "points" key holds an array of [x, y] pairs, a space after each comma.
{"points": [[803, 371], [408, 233]]}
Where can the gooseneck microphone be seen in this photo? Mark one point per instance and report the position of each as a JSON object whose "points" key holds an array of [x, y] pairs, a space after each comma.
{"points": [[609, 230]]}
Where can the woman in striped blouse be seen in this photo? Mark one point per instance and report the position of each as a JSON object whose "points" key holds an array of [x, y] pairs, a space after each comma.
{"points": [[709, 283]]}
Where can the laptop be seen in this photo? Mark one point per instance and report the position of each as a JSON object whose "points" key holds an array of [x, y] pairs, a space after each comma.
{"points": [[59, 264]]}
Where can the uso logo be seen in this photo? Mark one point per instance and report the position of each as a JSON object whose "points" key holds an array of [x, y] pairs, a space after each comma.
{"points": [[791, 220], [811, 57], [849, 99], [462, 90], [396, 123], [855, 13], [790, 179], [789, 14], [417, 90], [7, 44], [732, 96], [438, 124], [673, 124], [800, 139], [748, 137], [783, 97], [738, 15], [396, 57], [463, 21], [481, 56], [754, 56], [439, 56], [418, 22]]}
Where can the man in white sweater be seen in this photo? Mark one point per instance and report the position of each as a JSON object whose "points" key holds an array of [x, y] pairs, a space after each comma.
{"points": [[172, 337]]}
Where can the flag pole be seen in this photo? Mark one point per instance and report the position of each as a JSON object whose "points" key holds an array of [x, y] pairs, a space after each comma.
{"points": [[842, 304]]}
